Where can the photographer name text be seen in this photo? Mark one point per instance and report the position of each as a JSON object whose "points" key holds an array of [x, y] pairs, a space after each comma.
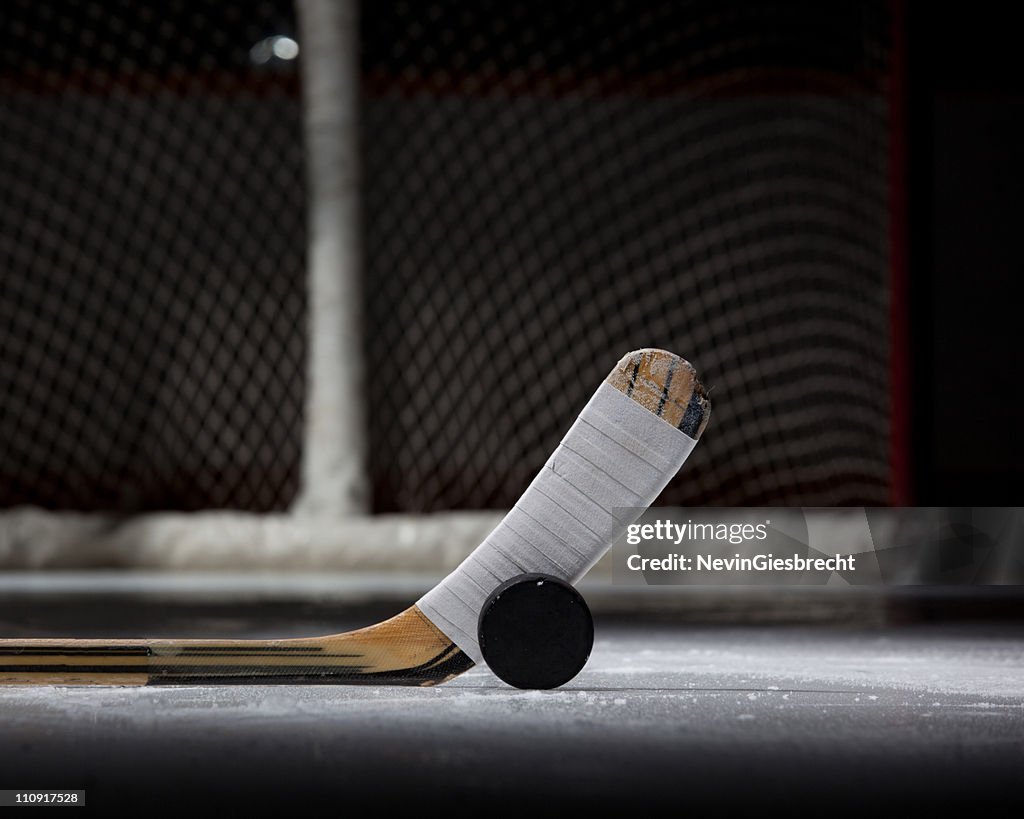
{"points": [[669, 534]]}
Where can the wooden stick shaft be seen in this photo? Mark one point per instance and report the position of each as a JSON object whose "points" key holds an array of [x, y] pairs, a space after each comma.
{"points": [[405, 650]]}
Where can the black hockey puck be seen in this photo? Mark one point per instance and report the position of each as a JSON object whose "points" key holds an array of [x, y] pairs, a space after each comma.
{"points": [[536, 631]]}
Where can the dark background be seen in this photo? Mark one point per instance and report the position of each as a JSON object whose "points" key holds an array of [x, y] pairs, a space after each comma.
{"points": [[965, 170]]}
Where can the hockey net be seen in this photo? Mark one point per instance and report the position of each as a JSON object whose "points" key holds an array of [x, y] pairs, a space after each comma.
{"points": [[546, 186]]}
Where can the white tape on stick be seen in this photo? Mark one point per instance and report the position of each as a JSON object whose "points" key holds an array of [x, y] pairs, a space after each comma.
{"points": [[617, 456]]}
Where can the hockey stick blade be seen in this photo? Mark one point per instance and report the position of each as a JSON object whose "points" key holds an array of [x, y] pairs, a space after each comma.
{"points": [[628, 442]]}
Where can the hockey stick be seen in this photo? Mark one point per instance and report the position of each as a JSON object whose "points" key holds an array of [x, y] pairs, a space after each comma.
{"points": [[627, 443]]}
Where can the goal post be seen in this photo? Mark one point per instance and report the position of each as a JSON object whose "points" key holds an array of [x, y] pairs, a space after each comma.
{"points": [[334, 479]]}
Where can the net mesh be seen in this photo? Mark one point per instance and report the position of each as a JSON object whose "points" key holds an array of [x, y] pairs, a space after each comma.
{"points": [[550, 185], [547, 185], [152, 243]]}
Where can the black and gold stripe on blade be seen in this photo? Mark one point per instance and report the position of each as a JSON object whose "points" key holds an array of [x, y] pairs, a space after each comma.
{"points": [[238, 665], [72, 651], [90, 660], [270, 651], [444, 666], [407, 649]]}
